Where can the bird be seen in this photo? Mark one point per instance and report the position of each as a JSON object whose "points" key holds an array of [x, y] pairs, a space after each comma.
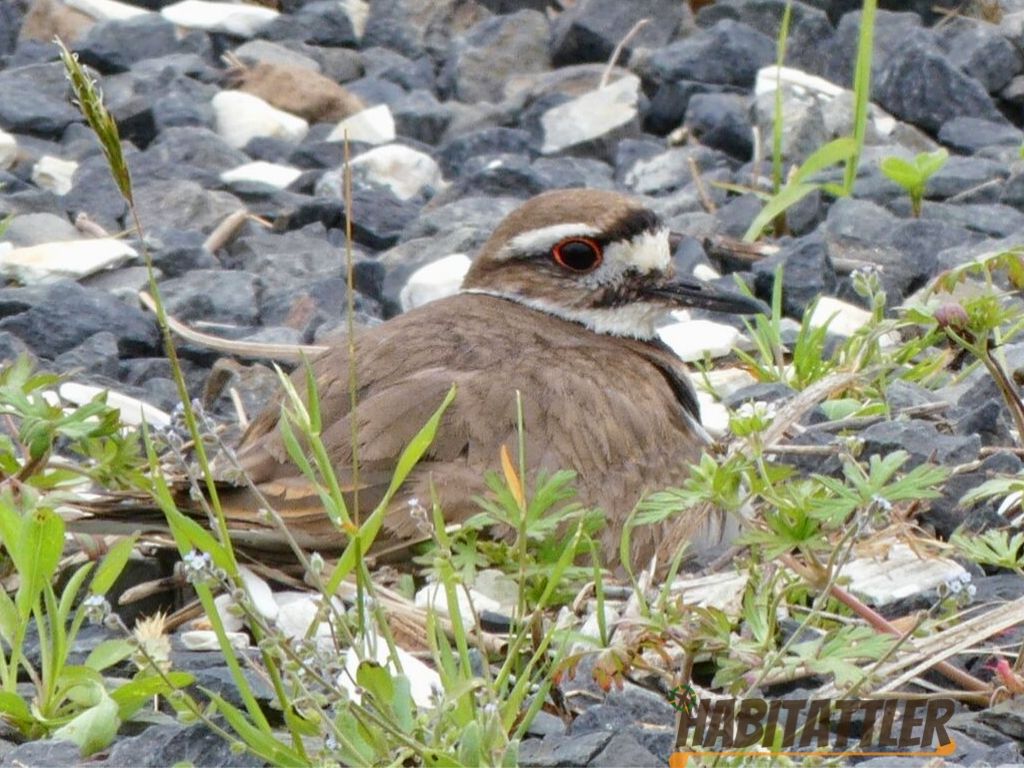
{"points": [[560, 308]]}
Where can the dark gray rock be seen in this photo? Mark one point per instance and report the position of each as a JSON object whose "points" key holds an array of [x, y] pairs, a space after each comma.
{"points": [[902, 394], [418, 27], [1007, 717], [736, 216], [920, 241], [667, 107], [721, 121], [63, 315], [97, 355], [893, 31], [623, 749], [476, 213], [11, 15], [454, 155], [1013, 191], [307, 307], [378, 217], [285, 257], [768, 392], [921, 440], [994, 220], [923, 87], [960, 175], [981, 52], [35, 100], [590, 29], [488, 55], [193, 153], [114, 46], [181, 204], [11, 348], [183, 103], [807, 273], [42, 754], [214, 295], [174, 744], [319, 23], [35, 228], [419, 115], [411, 74], [556, 751], [729, 53], [176, 251], [810, 43]]}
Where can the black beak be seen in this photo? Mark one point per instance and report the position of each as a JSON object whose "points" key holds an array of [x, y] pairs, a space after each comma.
{"points": [[695, 294]]}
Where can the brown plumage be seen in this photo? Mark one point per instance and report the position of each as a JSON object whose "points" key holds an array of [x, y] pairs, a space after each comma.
{"points": [[601, 395]]}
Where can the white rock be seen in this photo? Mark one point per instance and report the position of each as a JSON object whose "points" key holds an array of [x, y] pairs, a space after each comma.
{"points": [[591, 115], [133, 412], [423, 681], [691, 339], [358, 12], [471, 602], [54, 174], [240, 20], [705, 272], [106, 10], [228, 612], [260, 593], [404, 170], [498, 586], [844, 319], [723, 591], [807, 86], [48, 262], [261, 172], [206, 640], [434, 281], [713, 415], [8, 150], [242, 116], [898, 574], [725, 381], [375, 125]]}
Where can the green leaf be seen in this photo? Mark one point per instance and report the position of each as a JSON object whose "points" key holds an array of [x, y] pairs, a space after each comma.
{"points": [[109, 652], [141, 690], [262, 744], [902, 172], [112, 565], [788, 196], [14, 709], [469, 745], [95, 728], [836, 151], [930, 163], [377, 682], [40, 544]]}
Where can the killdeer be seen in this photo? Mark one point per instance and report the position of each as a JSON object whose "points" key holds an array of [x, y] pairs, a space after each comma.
{"points": [[561, 305]]}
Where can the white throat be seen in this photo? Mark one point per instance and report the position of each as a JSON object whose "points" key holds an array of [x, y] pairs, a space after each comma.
{"points": [[637, 320]]}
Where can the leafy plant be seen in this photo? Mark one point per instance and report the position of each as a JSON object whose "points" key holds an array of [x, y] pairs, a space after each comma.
{"points": [[913, 175]]}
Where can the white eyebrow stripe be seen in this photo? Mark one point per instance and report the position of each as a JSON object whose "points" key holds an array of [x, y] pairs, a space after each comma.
{"points": [[645, 252], [544, 238]]}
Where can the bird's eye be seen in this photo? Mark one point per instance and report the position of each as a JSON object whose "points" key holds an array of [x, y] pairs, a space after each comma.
{"points": [[578, 254]]}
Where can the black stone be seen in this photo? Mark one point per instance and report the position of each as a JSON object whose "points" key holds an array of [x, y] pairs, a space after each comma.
{"points": [[807, 273], [214, 295], [35, 100], [721, 121], [729, 53], [921, 440], [66, 314], [115, 45], [590, 29]]}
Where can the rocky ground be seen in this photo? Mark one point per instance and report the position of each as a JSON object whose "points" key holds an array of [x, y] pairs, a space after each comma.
{"points": [[454, 111]]}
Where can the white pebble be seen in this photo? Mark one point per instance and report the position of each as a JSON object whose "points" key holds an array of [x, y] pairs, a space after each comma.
{"points": [[375, 125], [49, 262], [54, 174], [261, 172], [240, 20], [691, 339], [404, 170], [590, 116], [434, 281], [242, 116]]}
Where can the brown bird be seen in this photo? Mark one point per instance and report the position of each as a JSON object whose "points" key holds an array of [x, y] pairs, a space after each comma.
{"points": [[560, 305]]}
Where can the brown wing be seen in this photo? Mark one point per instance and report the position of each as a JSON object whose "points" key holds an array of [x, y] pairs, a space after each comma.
{"points": [[596, 405]]}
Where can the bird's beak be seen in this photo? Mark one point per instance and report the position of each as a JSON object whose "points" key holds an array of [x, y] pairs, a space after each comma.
{"points": [[695, 294]]}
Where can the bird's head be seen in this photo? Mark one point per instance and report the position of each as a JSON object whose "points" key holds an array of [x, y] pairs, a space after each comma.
{"points": [[595, 257]]}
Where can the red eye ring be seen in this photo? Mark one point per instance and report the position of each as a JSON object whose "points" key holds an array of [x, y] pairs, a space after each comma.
{"points": [[578, 254]]}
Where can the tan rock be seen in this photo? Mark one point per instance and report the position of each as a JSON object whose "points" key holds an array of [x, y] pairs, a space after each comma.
{"points": [[297, 90], [47, 19]]}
